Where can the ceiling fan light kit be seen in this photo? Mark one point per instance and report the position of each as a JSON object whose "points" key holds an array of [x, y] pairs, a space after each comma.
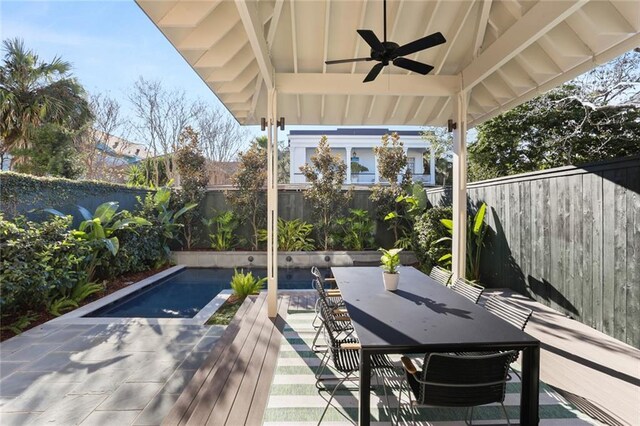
{"points": [[386, 52]]}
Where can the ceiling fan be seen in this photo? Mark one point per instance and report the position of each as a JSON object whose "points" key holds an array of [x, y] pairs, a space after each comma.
{"points": [[387, 51]]}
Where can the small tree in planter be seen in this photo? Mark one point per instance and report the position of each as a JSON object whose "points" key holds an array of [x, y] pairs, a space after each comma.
{"points": [[194, 179], [325, 175], [248, 199], [392, 161]]}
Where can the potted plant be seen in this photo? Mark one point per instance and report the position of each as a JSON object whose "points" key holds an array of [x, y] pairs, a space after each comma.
{"points": [[390, 261]]}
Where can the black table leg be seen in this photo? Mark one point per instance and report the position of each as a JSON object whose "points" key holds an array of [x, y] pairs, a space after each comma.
{"points": [[364, 417], [530, 386]]}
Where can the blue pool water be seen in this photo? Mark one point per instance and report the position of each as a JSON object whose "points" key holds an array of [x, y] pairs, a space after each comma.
{"points": [[184, 293]]}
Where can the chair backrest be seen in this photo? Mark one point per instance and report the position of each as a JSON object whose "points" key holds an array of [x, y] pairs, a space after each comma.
{"points": [[316, 272], [464, 380], [468, 289], [317, 284], [514, 315], [441, 275]]}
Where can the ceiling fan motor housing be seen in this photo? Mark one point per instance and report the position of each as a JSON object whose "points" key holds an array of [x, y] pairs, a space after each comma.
{"points": [[388, 54]]}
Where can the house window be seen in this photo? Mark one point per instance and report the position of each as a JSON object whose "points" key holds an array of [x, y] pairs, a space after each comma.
{"points": [[411, 165]]}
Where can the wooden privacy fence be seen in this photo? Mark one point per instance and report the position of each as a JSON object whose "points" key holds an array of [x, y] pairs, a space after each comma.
{"points": [[567, 237]]}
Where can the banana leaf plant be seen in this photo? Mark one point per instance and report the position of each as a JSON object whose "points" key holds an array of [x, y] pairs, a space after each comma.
{"points": [[166, 217], [476, 231], [98, 228]]}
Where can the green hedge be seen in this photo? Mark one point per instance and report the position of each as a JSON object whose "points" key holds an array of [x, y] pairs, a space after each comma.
{"points": [[21, 193]]}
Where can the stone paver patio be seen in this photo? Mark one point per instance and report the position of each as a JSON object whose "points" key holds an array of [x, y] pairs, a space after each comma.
{"points": [[124, 374]]}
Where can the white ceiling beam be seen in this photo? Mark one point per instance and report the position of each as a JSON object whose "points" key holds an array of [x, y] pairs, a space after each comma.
{"points": [[255, 33], [351, 84], [458, 25], [481, 29], [327, 19], [358, 40], [540, 19], [588, 64], [187, 15]]}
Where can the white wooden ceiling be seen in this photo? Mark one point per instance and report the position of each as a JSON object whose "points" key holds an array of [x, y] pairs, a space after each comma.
{"points": [[503, 52]]}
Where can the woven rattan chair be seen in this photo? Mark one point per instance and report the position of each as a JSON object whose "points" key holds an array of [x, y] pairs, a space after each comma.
{"points": [[441, 275], [456, 381], [468, 289], [344, 355]]}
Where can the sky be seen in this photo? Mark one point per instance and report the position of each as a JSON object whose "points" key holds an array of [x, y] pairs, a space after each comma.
{"points": [[110, 44]]}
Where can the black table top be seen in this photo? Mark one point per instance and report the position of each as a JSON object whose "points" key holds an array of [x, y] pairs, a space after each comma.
{"points": [[420, 314]]}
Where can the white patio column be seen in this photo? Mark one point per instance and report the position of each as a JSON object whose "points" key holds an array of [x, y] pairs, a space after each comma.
{"points": [[376, 175], [272, 205], [432, 167], [459, 244], [405, 150], [348, 160]]}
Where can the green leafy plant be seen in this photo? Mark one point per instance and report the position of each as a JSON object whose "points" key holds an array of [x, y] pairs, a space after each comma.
{"points": [[427, 229], [390, 260], [157, 207], [98, 229], [356, 231], [409, 206], [293, 235], [224, 226], [476, 231], [244, 285], [20, 324], [56, 307]]}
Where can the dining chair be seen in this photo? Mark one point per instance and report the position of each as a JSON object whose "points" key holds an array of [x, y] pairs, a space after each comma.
{"points": [[318, 283], [449, 380], [468, 289], [344, 354], [335, 304], [440, 275], [513, 314]]}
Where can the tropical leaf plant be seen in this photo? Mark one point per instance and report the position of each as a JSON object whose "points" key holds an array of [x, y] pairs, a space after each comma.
{"points": [[476, 231], [293, 235], [244, 285], [19, 325], [224, 226], [356, 231], [390, 260]]}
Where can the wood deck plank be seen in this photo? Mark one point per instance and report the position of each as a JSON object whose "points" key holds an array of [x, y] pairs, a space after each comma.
{"points": [[215, 382], [183, 406], [258, 384], [246, 364]]}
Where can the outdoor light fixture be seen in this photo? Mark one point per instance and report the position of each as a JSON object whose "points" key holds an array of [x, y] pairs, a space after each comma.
{"points": [[279, 123], [451, 126], [353, 154]]}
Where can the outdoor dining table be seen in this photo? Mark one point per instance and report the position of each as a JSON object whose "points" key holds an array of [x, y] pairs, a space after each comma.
{"points": [[423, 316]]}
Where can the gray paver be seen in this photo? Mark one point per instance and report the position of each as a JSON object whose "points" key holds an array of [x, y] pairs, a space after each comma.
{"points": [[131, 396], [81, 343], [31, 352], [71, 410], [102, 418], [38, 397], [15, 343], [17, 419], [61, 336], [43, 330], [156, 372], [7, 368], [19, 382], [193, 360], [102, 382], [53, 361], [216, 330], [178, 381], [156, 410]]}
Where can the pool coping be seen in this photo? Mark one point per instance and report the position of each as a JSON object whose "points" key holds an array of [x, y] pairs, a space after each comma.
{"points": [[77, 316]]}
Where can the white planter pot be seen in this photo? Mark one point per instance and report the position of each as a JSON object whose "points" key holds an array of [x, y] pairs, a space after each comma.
{"points": [[390, 281]]}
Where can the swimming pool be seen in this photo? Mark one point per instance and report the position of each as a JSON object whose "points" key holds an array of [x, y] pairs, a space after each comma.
{"points": [[185, 293]]}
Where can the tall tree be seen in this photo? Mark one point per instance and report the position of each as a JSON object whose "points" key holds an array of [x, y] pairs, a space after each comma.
{"points": [[33, 92], [160, 117], [325, 175], [221, 137], [594, 117], [441, 145]]}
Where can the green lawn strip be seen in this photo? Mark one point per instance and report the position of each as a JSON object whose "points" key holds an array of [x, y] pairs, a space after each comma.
{"points": [[225, 313]]}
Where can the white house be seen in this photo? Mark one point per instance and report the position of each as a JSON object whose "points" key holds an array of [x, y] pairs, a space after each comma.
{"points": [[357, 144]]}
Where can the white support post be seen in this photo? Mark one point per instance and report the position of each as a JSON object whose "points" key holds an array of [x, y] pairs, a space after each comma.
{"points": [[459, 244], [432, 166], [272, 205], [348, 161]]}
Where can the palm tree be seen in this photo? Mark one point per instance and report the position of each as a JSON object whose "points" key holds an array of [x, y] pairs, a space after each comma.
{"points": [[33, 92]]}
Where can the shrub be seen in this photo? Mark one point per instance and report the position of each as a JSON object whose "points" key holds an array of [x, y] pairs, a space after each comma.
{"points": [[428, 230], [293, 235], [357, 231], [223, 226], [39, 260], [245, 284]]}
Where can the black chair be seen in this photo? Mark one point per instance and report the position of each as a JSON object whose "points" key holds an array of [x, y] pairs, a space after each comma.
{"points": [[318, 283], [335, 305], [514, 315], [344, 354], [468, 289], [457, 381], [441, 275]]}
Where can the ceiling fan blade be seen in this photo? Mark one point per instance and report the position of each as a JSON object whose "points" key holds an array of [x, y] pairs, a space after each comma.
{"points": [[420, 44], [344, 61], [411, 65], [371, 39], [373, 73]]}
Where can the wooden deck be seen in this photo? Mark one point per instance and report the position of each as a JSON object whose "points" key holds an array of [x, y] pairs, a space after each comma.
{"points": [[597, 374], [232, 385]]}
